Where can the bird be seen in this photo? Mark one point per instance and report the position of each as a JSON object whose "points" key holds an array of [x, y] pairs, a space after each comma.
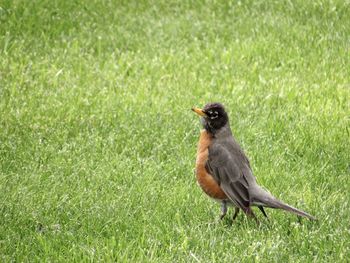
{"points": [[223, 170]]}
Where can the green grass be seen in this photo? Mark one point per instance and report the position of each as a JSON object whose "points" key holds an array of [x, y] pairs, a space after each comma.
{"points": [[98, 143]]}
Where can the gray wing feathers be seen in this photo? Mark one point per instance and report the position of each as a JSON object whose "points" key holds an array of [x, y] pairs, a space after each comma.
{"points": [[227, 171]]}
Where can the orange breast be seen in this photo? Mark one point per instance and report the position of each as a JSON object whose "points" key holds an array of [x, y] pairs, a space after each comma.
{"points": [[204, 179]]}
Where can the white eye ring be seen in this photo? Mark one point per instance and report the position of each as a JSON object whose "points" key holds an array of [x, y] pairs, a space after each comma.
{"points": [[214, 114]]}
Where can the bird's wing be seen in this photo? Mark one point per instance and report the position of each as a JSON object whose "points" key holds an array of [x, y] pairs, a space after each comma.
{"points": [[230, 168]]}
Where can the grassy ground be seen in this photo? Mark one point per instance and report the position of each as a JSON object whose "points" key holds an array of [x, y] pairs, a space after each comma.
{"points": [[97, 140]]}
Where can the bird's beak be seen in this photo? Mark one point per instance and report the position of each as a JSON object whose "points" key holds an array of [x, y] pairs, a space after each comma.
{"points": [[199, 111]]}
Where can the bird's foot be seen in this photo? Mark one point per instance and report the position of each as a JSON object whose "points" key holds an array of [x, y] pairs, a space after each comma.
{"points": [[235, 214]]}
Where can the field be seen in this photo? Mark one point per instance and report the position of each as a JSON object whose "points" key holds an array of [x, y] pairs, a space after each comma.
{"points": [[98, 142]]}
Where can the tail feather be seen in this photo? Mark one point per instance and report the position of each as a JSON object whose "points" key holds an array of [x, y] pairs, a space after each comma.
{"points": [[266, 199], [281, 205]]}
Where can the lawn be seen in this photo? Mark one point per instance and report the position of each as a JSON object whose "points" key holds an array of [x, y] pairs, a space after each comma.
{"points": [[98, 142]]}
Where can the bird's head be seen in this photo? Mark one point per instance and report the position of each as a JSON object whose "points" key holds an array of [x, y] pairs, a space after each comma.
{"points": [[213, 116]]}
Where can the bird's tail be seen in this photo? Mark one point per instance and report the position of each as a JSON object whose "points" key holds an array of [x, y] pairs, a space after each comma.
{"points": [[266, 199]]}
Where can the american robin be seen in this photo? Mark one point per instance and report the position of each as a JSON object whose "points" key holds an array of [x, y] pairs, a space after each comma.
{"points": [[223, 170]]}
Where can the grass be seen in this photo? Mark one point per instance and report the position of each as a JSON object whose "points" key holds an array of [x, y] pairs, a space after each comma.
{"points": [[97, 140]]}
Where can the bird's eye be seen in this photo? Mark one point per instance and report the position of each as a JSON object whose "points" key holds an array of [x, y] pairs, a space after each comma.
{"points": [[214, 115]]}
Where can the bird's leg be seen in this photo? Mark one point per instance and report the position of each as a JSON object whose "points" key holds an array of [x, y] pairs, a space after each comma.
{"points": [[236, 213], [262, 210], [249, 212], [223, 209]]}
